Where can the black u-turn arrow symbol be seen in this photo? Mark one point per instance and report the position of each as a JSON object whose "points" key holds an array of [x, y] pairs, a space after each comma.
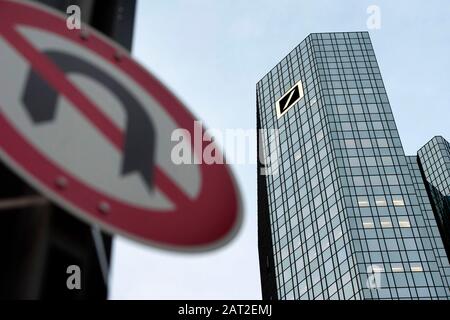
{"points": [[40, 100]]}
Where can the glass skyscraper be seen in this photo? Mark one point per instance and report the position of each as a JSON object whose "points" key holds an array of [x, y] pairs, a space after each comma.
{"points": [[346, 214], [434, 159]]}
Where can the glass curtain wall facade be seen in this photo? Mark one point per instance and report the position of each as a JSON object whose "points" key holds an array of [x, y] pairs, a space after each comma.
{"points": [[342, 211], [434, 159], [430, 236]]}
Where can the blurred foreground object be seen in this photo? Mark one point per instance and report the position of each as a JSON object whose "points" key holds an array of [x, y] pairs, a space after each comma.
{"points": [[39, 241]]}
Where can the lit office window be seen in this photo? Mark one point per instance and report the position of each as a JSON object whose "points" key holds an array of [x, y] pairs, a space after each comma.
{"points": [[397, 267], [368, 223], [404, 222], [377, 268], [363, 201], [398, 201], [386, 222], [416, 267], [380, 201]]}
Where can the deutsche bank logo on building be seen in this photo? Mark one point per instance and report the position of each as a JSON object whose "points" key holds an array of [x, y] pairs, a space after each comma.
{"points": [[290, 98]]}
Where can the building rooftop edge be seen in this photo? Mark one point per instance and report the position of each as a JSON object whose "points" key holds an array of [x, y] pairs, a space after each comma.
{"points": [[308, 36]]}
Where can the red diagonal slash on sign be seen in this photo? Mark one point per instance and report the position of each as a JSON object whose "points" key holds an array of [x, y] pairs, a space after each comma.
{"points": [[206, 221], [59, 81]]}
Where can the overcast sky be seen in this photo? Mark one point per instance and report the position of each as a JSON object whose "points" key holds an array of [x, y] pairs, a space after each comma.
{"points": [[212, 53]]}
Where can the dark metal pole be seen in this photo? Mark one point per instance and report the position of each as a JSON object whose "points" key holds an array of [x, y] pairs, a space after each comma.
{"points": [[115, 19]]}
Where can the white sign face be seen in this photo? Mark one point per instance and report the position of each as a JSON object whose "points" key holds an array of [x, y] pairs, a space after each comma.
{"points": [[92, 131], [289, 99], [99, 165]]}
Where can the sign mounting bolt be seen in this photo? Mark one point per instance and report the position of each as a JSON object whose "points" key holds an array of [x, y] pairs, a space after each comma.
{"points": [[118, 56], [84, 34], [61, 182], [104, 207]]}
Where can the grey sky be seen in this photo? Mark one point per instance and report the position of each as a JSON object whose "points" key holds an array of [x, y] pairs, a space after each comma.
{"points": [[212, 53]]}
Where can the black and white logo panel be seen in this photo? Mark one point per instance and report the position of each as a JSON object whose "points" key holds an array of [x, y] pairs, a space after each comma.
{"points": [[289, 99]]}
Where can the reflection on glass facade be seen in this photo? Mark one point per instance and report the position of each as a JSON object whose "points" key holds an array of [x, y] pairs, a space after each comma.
{"points": [[430, 235], [434, 158], [341, 219]]}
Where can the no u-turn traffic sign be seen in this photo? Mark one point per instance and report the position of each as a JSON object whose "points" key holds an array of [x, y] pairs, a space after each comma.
{"points": [[90, 128]]}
